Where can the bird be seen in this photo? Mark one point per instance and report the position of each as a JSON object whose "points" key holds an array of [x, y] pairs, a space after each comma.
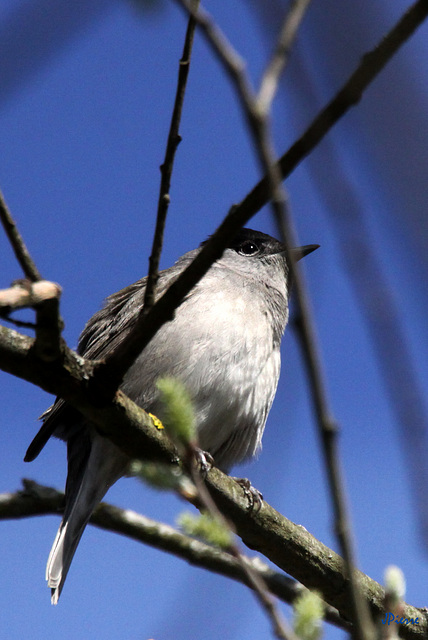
{"points": [[223, 345]]}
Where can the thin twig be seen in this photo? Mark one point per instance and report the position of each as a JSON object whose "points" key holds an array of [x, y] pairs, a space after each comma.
{"points": [[256, 582], [272, 73], [17, 243], [49, 324], [166, 168]]}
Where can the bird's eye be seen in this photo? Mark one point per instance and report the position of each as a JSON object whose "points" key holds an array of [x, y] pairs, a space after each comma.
{"points": [[248, 249]]}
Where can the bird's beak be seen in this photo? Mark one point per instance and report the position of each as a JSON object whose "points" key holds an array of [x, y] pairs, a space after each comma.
{"points": [[301, 252]]}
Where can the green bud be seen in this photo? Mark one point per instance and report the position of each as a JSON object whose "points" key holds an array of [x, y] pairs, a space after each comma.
{"points": [[395, 582], [308, 615], [206, 528], [158, 474], [178, 416]]}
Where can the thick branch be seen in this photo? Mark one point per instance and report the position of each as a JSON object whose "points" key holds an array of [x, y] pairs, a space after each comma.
{"points": [[294, 550], [121, 420]]}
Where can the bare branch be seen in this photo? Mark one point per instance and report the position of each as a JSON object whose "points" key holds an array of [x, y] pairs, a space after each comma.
{"points": [[322, 570], [350, 94], [35, 500], [17, 243], [44, 297], [26, 294], [49, 324], [272, 73], [286, 544], [120, 420], [280, 626], [173, 141]]}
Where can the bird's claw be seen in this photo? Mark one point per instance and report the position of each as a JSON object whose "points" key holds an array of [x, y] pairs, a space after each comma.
{"points": [[253, 495], [204, 460]]}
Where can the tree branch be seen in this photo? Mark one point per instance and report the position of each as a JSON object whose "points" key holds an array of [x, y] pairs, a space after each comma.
{"points": [[120, 420], [49, 324], [350, 94], [259, 126], [18, 245], [111, 372], [272, 73], [36, 500], [289, 546], [166, 168]]}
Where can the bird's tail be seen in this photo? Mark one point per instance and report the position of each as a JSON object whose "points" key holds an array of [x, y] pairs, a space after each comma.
{"points": [[105, 465]]}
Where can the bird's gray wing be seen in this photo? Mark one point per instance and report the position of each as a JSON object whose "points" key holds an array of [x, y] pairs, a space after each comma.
{"points": [[102, 334]]}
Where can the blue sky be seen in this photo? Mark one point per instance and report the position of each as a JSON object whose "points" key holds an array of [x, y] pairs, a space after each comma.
{"points": [[85, 101]]}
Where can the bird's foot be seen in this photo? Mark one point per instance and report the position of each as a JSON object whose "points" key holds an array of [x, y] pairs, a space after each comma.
{"points": [[204, 460], [253, 495]]}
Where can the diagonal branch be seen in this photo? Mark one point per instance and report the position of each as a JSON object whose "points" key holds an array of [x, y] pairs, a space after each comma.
{"points": [[272, 73], [49, 324], [111, 372], [372, 63], [18, 245]]}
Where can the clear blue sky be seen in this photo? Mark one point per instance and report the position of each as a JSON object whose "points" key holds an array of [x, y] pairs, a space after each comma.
{"points": [[85, 102]]}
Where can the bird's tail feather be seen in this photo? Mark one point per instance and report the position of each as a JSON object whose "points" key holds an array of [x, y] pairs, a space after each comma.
{"points": [[105, 465]]}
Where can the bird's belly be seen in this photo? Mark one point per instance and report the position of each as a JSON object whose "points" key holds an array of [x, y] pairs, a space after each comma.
{"points": [[229, 364]]}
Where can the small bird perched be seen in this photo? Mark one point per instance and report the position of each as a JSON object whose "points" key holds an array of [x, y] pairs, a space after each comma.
{"points": [[223, 345]]}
